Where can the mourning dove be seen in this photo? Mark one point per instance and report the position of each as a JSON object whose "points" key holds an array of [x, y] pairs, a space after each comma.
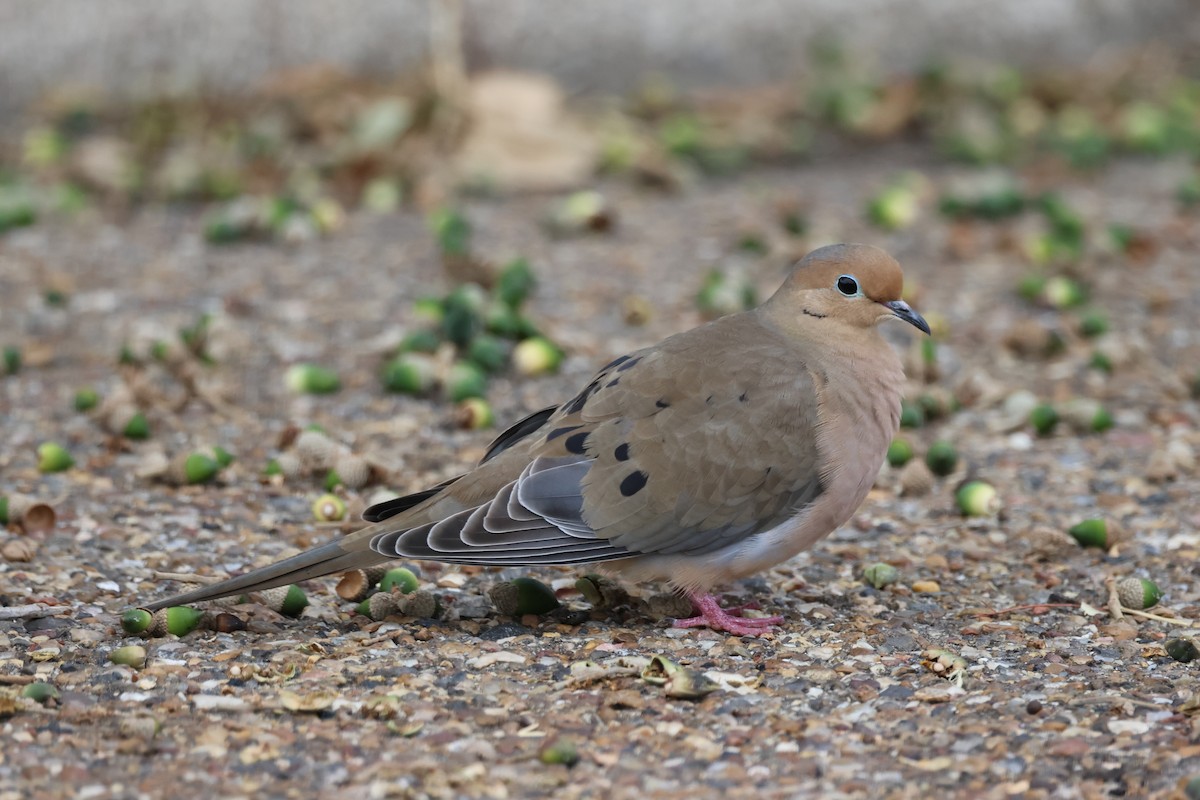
{"points": [[715, 454]]}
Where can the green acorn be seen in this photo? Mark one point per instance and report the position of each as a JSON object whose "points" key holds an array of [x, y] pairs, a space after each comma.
{"points": [[1100, 361], [1097, 532], [40, 692], [422, 341], [136, 620], [53, 457], [465, 380], [12, 360], [222, 456], [522, 596], [1138, 593], [429, 311], [133, 655], [463, 311], [1093, 323], [409, 373], [452, 230], [329, 508], [311, 379], [1044, 419], [894, 208], [474, 413], [488, 352], [515, 283], [290, 601], [978, 499], [508, 323], [725, 292], [559, 750], [381, 196], [86, 399], [880, 575], [399, 579], [1061, 292], [911, 415], [194, 468], [536, 355], [899, 452], [1182, 648], [136, 427], [177, 620], [941, 458], [1188, 193]]}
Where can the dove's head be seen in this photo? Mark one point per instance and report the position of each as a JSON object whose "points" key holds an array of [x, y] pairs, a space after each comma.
{"points": [[842, 285]]}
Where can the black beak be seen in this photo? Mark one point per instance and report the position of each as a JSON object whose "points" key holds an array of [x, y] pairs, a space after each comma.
{"points": [[902, 311]]}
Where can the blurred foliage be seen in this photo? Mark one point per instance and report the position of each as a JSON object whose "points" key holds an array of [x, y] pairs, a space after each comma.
{"points": [[285, 161]]}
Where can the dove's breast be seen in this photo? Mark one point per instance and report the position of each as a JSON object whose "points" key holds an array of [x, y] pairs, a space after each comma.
{"points": [[857, 420]]}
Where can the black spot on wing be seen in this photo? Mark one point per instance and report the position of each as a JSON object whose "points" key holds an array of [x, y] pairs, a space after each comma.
{"points": [[622, 451], [633, 483], [662, 403], [629, 363], [557, 432], [577, 442]]}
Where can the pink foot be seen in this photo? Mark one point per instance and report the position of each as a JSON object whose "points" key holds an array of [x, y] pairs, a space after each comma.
{"points": [[717, 618]]}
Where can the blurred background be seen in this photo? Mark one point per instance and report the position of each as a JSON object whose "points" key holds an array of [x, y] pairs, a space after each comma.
{"points": [[264, 263]]}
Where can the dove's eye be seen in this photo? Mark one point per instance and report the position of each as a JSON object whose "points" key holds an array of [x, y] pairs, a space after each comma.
{"points": [[847, 286]]}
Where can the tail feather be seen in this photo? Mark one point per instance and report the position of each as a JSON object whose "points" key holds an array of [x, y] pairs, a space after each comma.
{"points": [[323, 560]]}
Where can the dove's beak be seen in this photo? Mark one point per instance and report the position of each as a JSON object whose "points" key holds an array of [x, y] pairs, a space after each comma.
{"points": [[901, 310]]}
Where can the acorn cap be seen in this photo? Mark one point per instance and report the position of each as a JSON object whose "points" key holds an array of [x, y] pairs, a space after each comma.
{"points": [[915, 479], [381, 605], [354, 586], [422, 604], [288, 464], [289, 601], [352, 471], [32, 515], [316, 450], [1138, 593]]}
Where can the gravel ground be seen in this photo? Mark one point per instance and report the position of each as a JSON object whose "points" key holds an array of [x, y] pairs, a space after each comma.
{"points": [[1056, 699]]}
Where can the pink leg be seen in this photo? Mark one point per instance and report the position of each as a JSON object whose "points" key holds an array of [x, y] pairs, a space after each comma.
{"points": [[717, 618]]}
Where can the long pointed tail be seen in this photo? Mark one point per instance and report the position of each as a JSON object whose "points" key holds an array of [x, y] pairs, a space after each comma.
{"points": [[352, 552]]}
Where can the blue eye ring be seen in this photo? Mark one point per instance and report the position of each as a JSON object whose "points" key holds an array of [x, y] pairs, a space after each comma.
{"points": [[848, 286]]}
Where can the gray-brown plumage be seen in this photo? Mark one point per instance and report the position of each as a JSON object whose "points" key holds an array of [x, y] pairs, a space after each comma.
{"points": [[717, 453]]}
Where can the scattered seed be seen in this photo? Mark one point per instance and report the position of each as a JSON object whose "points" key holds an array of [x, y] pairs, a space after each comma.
{"points": [[880, 575], [978, 499]]}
